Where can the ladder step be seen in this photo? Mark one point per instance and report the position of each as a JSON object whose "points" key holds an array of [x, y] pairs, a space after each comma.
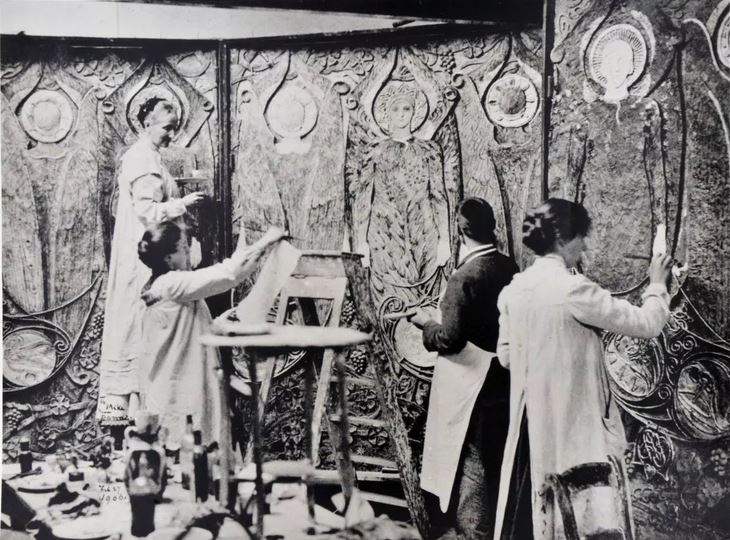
{"points": [[383, 499], [369, 460], [362, 381], [358, 420], [322, 476]]}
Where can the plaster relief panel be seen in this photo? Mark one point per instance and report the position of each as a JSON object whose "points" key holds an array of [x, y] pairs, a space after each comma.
{"points": [[639, 135], [61, 139]]}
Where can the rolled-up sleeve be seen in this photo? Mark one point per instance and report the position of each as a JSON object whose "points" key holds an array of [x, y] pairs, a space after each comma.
{"points": [[594, 306]]}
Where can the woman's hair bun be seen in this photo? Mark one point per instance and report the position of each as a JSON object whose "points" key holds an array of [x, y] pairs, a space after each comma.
{"points": [[556, 219], [157, 242], [537, 232]]}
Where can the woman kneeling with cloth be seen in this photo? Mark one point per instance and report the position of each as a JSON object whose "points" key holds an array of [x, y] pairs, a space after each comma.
{"points": [[177, 372]]}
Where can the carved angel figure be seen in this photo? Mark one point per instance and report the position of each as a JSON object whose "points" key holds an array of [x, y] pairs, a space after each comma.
{"points": [[400, 211]]}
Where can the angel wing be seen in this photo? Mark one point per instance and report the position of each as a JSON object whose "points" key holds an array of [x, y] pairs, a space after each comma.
{"points": [[361, 153], [324, 199], [22, 249], [258, 204], [74, 222], [479, 176], [447, 138]]}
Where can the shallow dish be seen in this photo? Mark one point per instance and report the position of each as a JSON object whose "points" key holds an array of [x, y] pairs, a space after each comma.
{"points": [[86, 528], [40, 483]]}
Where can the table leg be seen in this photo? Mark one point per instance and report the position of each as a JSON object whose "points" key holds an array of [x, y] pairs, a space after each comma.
{"points": [[308, 441], [257, 447], [347, 471]]}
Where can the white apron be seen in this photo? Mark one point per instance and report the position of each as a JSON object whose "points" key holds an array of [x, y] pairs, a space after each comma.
{"points": [[457, 381]]}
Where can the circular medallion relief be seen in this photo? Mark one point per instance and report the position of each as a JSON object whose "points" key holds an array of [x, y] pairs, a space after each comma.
{"points": [[723, 39], [702, 397], [633, 365], [617, 58], [292, 112], [28, 357], [47, 116], [511, 101]]}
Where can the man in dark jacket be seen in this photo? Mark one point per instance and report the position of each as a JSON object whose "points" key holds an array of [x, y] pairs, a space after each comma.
{"points": [[469, 403]]}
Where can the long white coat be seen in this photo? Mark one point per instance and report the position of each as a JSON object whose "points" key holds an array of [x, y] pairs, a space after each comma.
{"points": [[177, 372], [549, 340], [146, 196]]}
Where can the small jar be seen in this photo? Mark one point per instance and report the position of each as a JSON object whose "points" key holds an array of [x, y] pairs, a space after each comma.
{"points": [[25, 456]]}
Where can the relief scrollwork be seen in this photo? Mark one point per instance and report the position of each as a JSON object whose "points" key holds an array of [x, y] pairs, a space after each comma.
{"points": [[108, 71], [357, 63], [157, 79], [34, 348], [678, 383], [653, 451]]}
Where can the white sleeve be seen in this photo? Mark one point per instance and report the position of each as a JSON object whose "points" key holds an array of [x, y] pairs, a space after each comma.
{"points": [[147, 196], [503, 340], [595, 306], [186, 286]]}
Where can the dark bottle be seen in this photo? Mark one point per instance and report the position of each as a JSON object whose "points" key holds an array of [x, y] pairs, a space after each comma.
{"points": [[200, 467], [25, 457], [186, 453]]}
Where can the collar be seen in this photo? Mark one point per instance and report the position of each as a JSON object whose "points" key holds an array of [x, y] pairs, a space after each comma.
{"points": [[470, 254], [145, 140], [554, 259]]}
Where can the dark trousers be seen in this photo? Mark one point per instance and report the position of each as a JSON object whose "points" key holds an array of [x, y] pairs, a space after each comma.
{"points": [[518, 515], [473, 504]]}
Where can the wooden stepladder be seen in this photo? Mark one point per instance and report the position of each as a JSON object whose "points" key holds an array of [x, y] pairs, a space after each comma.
{"points": [[319, 275], [335, 277]]}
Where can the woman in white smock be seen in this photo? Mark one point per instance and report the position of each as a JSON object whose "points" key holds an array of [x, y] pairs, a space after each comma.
{"points": [[147, 195], [561, 410], [177, 372]]}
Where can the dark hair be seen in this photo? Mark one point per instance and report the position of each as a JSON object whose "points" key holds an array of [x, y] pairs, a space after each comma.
{"points": [[149, 106], [157, 242], [556, 219], [476, 220]]}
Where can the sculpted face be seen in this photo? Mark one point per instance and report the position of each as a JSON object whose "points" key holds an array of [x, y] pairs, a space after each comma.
{"points": [[161, 124], [619, 63], [400, 113]]}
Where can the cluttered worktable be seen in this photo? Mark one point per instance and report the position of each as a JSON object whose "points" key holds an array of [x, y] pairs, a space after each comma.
{"points": [[94, 510], [80, 518], [97, 506]]}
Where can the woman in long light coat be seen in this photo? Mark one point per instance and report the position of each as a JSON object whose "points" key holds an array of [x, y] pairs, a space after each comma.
{"points": [[550, 322], [147, 196]]}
